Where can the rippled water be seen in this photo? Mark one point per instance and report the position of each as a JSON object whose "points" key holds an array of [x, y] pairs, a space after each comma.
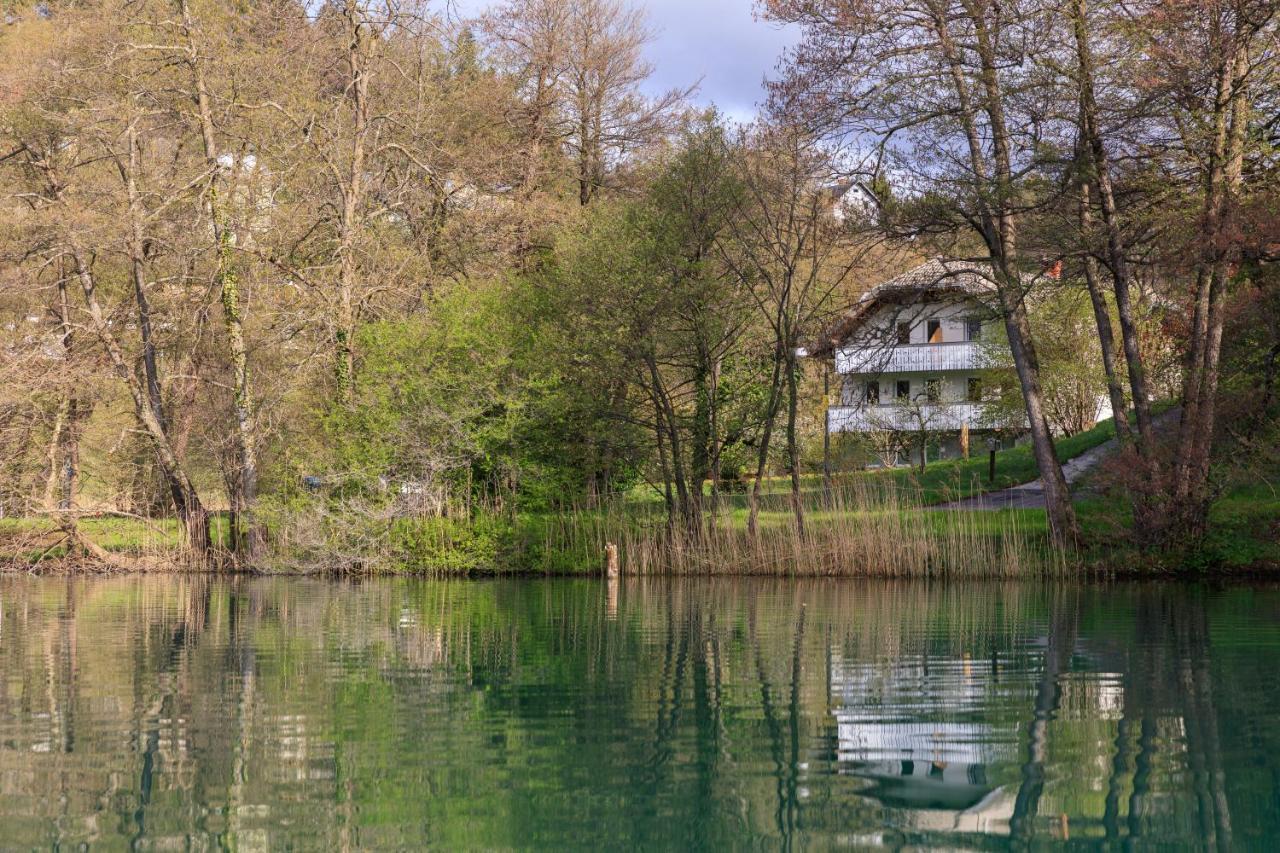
{"points": [[193, 712]]}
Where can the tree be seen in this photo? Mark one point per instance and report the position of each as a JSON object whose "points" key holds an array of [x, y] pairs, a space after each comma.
{"points": [[906, 425], [577, 67], [608, 119], [933, 94], [791, 255], [1212, 94], [100, 199]]}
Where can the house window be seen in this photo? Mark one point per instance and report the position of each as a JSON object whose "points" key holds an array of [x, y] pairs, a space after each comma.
{"points": [[903, 391], [873, 393], [935, 331], [972, 330], [933, 390], [904, 334], [974, 392]]}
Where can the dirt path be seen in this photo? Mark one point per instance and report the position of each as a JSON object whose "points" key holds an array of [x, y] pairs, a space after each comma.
{"points": [[1031, 495]]}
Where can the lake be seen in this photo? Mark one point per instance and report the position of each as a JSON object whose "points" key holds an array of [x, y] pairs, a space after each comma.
{"points": [[193, 712]]}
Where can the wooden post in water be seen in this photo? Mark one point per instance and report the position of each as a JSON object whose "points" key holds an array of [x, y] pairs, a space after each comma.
{"points": [[611, 560]]}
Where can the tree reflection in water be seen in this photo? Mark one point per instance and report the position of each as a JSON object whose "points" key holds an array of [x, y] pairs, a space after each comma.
{"points": [[263, 713]]}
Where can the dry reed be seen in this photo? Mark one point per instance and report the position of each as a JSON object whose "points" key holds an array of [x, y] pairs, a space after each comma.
{"points": [[861, 530]]}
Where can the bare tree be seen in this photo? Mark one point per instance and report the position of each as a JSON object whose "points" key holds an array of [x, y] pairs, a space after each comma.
{"points": [[577, 66], [791, 255], [932, 94], [608, 118], [1212, 103], [101, 196]]}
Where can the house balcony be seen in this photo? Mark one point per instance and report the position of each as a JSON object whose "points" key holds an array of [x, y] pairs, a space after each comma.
{"points": [[910, 358], [934, 417]]}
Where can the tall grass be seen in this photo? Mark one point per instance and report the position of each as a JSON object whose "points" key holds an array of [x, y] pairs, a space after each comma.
{"points": [[862, 529]]}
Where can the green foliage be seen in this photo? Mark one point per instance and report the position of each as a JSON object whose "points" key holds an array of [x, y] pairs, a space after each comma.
{"points": [[1071, 372], [434, 410], [450, 545]]}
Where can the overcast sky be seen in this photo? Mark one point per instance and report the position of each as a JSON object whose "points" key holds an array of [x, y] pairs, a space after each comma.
{"points": [[716, 41]]}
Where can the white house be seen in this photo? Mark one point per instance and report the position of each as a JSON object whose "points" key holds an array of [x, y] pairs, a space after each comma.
{"points": [[910, 358]]}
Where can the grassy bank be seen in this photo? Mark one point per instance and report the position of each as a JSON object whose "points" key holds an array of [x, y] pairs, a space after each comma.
{"points": [[873, 523], [856, 535], [30, 540], [864, 532], [1243, 536], [861, 530]]}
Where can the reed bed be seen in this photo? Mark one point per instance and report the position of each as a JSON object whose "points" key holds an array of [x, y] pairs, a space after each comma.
{"points": [[861, 530]]}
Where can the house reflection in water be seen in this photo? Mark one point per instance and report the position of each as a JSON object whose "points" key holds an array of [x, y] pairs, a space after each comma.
{"points": [[911, 731], [944, 746]]}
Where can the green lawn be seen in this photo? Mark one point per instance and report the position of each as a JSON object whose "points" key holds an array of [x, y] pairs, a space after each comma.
{"points": [[941, 481], [958, 478], [27, 538], [1244, 532]]}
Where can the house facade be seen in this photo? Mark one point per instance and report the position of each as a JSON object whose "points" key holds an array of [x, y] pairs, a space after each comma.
{"points": [[910, 358]]}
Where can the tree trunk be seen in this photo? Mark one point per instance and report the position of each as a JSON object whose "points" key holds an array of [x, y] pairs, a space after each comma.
{"points": [[359, 58], [191, 512], [826, 434], [1102, 317], [703, 429], [998, 229], [793, 448], [1057, 497], [53, 456], [1117, 250], [76, 415], [766, 434], [1191, 473], [248, 536], [689, 511], [147, 397], [659, 430], [1146, 516], [137, 273], [69, 467]]}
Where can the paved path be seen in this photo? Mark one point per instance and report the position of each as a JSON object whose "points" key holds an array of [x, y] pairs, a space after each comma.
{"points": [[1031, 495]]}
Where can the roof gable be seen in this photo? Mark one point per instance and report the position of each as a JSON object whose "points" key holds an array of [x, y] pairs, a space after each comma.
{"points": [[932, 280]]}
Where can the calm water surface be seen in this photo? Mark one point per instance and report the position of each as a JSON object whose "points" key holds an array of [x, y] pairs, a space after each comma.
{"points": [[203, 713]]}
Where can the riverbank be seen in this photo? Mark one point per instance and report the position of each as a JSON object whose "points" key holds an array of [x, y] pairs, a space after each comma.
{"points": [[887, 523], [882, 540]]}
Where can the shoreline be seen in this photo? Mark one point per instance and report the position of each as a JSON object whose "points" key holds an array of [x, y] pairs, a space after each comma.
{"points": [[1259, 572]]}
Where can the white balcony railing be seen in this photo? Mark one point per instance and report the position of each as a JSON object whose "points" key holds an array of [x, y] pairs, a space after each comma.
{"points": [[910, 358], [935, 416]]}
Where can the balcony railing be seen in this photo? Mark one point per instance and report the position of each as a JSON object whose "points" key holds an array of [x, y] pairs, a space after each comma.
{"points": [[910, 358], [934, 416]]}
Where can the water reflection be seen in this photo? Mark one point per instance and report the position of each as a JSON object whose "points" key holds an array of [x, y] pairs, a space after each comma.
{"points": [[263, 713]]}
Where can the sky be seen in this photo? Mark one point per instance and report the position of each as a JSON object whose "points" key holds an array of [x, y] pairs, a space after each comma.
{"points": [[717, 42]]}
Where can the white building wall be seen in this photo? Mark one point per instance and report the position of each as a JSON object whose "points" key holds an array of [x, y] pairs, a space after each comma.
{"points": [[876, 355], [955, 386], [953, 313]]}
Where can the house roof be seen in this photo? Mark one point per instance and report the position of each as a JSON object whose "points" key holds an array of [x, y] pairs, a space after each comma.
{"points": [[931, 280]]}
